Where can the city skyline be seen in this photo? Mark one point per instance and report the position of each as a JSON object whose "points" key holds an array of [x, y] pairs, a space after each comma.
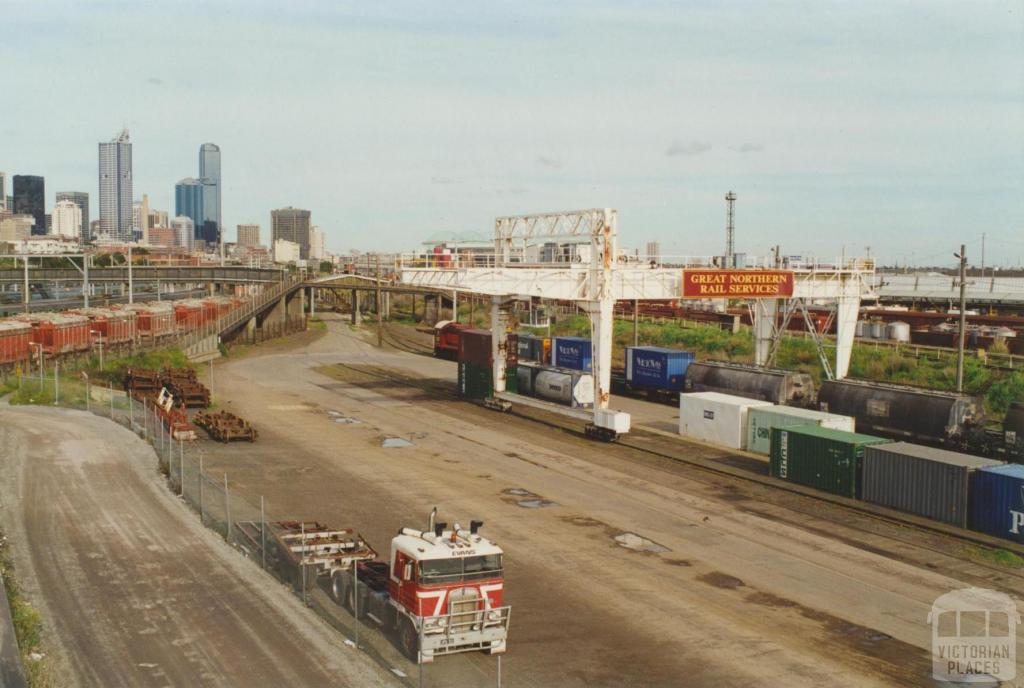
{"points": [[864, 135]]}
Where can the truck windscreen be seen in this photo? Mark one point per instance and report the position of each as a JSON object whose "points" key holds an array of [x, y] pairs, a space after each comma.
{"points": [[437, 571]]}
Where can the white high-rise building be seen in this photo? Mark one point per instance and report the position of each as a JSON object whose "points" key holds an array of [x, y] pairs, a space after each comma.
{"points": [[116, 188], [184, 232], [3, 191], [654, 251], [67, 220], [317, 248]]}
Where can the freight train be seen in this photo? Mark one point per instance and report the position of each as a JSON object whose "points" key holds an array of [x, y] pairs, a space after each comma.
{"points": [[26, 337], [897, 412]]}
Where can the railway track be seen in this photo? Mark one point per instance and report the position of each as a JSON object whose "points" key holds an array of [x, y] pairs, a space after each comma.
{"points": [[735, 472]]}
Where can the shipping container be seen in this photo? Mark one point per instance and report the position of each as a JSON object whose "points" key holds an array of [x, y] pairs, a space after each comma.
{"points": [[760, 422], [997, 501], [716, 418], [657, 367], [534, 348], [573, 388], [823, 458], [929, 482], [475, 380], [475, 347], [575, 353], [15, 336]]}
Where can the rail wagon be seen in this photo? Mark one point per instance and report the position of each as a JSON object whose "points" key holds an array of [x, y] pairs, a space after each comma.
{"points": [[115, 326], [905, 413], [155, 320], [15, 336], [59, 333], [787, 387]]}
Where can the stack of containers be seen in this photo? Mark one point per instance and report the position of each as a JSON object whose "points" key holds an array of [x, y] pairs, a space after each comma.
{"points": [[656, 367], [716, 418], [822, 458], [997, 501], [15, 336], [575, 353], [475, 364], [761, 421], [929, 482]]}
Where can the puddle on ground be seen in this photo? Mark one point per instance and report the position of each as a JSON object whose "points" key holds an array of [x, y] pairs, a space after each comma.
{"points": [[518, 492], [721, 580], [639, 544], [537, 503], [395, 443], [342, 419]]}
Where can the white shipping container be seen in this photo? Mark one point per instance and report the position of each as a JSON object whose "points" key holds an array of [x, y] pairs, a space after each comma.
{"points": [[716, 418], [571, 387], [760, 422]]}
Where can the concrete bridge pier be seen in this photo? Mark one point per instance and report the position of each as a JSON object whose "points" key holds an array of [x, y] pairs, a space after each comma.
{"points": [[357, 318]]}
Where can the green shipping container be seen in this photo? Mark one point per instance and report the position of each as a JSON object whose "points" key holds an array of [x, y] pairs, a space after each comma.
{"points": [[822, 458], [476, 381]]}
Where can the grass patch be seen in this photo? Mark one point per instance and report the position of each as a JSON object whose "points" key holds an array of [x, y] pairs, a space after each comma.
{"points": [[996, 556], [28, 625], [316, 324]]}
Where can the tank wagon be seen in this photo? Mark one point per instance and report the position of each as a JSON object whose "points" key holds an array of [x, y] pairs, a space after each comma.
{"points": [[786, 387], [901, 412]]}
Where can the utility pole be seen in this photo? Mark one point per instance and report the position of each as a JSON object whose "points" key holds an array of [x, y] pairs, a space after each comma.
{"points": [[24, 296], [963, 318], [983, 255], [380, 320], [730, 231], [131, 286]]}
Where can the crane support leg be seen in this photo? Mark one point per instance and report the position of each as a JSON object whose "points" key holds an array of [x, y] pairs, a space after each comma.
{"points": [[499, 340], [847, 310], [765, 332], [607, 424]]}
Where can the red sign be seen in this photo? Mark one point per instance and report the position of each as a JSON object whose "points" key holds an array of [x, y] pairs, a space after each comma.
{"points": [[737, 284]]}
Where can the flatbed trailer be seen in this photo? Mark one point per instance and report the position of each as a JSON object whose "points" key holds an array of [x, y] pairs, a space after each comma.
{"points": [[291, 546]]}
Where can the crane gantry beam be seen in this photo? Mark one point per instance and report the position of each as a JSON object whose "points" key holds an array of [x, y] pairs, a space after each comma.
{"points": [[597, 283]]}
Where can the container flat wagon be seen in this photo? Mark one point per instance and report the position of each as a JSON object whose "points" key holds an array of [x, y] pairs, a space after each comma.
{"points": [[292, 545], [15, 336]]}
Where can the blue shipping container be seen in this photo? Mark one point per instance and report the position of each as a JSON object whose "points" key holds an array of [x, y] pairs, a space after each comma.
{"points": [[572, 352], [657, 367], [997, 501]]}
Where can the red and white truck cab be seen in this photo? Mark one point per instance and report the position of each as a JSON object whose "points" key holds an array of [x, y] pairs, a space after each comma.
{"points": [[441, 591]]}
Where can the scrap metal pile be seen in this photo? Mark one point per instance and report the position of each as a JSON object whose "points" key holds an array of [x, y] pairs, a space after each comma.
{"points": [[144, 383], [225, 427]]}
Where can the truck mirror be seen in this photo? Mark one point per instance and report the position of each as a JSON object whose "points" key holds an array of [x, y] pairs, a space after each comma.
{"points": [[407, 571]]}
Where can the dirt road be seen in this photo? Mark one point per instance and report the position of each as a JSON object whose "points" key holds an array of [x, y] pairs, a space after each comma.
{"points": [[717, 588], [133, 591]]}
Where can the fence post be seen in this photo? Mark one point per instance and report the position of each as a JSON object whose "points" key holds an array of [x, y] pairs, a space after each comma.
{"points": [[145, 418], [200, 480], [131, 412], [181, 468], [227, 509], [56, 383], [263, 534], [355, 592], [111, 400], [302, 562]]}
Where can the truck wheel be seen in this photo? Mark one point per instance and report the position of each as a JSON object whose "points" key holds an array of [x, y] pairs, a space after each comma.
{"points": [[350, 602], [338, 586], [409, 639]]}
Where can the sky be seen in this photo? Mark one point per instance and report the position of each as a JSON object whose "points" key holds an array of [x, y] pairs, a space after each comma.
{"points": [[897, 126]]}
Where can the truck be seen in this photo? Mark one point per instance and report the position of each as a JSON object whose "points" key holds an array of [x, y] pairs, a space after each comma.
{"points": [[440, 591]]}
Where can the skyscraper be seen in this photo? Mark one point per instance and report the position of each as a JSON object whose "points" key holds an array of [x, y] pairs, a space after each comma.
{"points": [[3, 191], [291, 224], [116, 188], [248, 235], [81, 199], [29, 199], [209, 173], [184, 232], [196, 198]]}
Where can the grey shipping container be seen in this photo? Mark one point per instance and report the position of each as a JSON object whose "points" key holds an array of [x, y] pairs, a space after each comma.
{"points": [[929, 482]]}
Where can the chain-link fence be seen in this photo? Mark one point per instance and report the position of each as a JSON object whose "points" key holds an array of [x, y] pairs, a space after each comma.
{"points": [[243, 520]]}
